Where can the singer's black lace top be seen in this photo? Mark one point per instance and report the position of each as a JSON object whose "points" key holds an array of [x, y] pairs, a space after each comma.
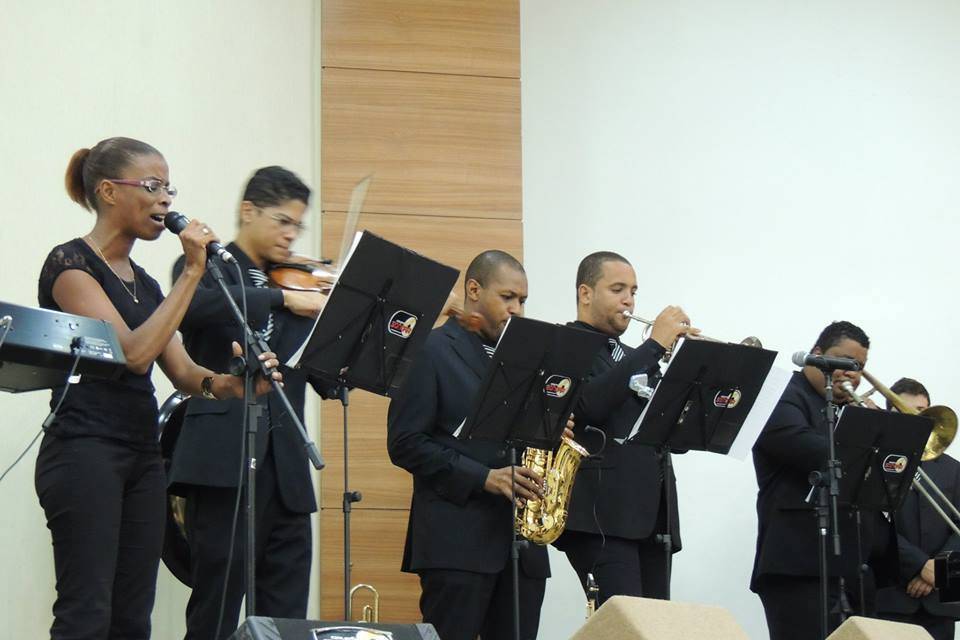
{"points": [[126, 408]]}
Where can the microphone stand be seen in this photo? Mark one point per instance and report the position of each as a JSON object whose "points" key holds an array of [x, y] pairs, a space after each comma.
{"points": [[255, 347], [827, 487]]}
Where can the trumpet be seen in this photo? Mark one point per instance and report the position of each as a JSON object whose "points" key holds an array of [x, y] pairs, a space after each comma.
{"points": [[749, 341], [943, 433]]}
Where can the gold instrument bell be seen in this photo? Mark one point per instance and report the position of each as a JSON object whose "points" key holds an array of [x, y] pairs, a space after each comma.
{"points": [[944, 420], [943, 432]]}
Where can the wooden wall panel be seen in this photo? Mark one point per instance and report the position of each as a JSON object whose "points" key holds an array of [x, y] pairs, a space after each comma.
{"points": [[452, 241], [377, 537], [479, 37], [383, 485], [436, 144], [425, 95]]}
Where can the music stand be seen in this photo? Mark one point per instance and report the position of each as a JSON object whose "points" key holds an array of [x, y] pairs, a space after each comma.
{"points": [[700, 404], [530, 389], [377, 317], [879, 452]]}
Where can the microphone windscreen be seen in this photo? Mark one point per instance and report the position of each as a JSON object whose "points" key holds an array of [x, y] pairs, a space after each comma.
{"points": [[799, 357]]}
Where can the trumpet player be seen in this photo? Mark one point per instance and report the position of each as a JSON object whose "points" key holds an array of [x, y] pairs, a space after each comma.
{"points": [[786, 572], [617, 507], [460, 530], [921, 535]]}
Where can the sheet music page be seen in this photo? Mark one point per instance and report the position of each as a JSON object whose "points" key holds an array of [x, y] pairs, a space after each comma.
{"points": [[294, 360], [767, 399]]}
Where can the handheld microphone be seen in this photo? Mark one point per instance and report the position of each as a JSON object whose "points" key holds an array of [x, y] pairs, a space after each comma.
{"points": [[825, 363], [177, 222]]}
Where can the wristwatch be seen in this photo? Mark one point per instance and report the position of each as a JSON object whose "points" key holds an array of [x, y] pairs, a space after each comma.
{"points": [[206, 388]]}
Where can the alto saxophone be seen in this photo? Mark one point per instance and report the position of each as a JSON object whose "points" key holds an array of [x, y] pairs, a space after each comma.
{"points": [[542, 521]]}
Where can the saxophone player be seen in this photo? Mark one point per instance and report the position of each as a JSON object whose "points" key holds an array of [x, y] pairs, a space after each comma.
{"points": [[460, 529], [617, 507]]}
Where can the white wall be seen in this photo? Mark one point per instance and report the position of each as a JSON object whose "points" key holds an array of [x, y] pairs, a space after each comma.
{"points": [[221, 87], [769, 166]]}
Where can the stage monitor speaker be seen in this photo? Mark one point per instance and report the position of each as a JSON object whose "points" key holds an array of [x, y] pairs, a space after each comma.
{"points": [[857, 628], [629, 618], [262, 628]]}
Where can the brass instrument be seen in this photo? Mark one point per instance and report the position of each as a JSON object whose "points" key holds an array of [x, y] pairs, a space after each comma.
{"points": [[371, 613], [943, 433], [749, 341], [542, 521]]}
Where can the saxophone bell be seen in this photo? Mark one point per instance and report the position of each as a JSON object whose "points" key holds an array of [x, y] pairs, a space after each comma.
{"points": [[542, 521]]}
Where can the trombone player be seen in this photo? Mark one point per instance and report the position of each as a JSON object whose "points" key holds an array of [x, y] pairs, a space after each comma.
{"points": [[921, 535], [617, 507], [786, 572]]}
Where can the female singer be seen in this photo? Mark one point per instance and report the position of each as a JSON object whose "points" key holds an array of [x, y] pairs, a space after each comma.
{"points": [[99, 474]]}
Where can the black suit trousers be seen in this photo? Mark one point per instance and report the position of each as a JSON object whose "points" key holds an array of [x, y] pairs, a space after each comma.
{"points": [[791, 605], [104, 503], [462, 605], [283, 556], [620, 567]]}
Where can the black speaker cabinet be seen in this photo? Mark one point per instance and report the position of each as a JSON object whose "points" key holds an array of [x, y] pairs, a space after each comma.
{"points": [[260, 628]]}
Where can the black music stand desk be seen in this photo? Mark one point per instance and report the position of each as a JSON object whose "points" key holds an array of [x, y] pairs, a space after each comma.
{"points": [[379, 313]]}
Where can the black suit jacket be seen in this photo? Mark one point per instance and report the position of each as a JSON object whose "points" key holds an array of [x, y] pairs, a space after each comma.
{"points": [[454, 523], [208, 449], [624, 482], [792, 444], [922, 534]]}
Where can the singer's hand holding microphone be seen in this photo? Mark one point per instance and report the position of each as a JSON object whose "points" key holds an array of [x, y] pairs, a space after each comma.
{"points": [[198, 240]]}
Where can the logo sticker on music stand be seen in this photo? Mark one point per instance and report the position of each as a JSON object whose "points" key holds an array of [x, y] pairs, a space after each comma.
{"points": [[724, 400], [402, 324], [557, 386], [895, 463]]}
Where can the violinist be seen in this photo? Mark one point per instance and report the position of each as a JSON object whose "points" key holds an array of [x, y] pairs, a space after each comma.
{"points": [[208, 458]]}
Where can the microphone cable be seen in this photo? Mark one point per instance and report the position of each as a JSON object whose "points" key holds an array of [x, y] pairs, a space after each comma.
{"points": [[243, 459], [76, 348]]}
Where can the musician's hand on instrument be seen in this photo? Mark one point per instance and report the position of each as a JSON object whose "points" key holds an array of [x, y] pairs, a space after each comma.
{"points": [[670, 325], [568, 430], [304, 303], [870, 404], [918, 588], [500, 481]]}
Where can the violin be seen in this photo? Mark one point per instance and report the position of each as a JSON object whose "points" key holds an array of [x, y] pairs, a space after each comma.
{"points": [[301, 273]]}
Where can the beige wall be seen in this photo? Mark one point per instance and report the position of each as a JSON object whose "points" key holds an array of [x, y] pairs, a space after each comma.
{"points": [[220, 87]]}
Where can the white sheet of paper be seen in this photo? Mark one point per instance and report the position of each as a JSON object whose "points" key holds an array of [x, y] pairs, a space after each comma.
{"points": [[760, 412], [294, 360]]}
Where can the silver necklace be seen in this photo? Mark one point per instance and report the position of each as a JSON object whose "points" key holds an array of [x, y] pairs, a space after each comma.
{"points": [[133, 294]]}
